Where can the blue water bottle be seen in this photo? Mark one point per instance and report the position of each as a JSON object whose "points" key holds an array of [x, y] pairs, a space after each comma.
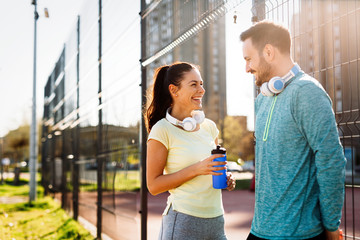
{"points": [[219, 181]]}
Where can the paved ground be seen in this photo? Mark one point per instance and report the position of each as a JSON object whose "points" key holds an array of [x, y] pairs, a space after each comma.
{"points": [[125, 223], [238, 205], [17, 199]]}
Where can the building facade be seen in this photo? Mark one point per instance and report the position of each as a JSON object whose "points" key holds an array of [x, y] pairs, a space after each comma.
{"points": [[206, 49]]}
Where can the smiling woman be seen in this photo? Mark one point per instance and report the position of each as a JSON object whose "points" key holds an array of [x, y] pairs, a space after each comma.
{"points": [[179, 156]]}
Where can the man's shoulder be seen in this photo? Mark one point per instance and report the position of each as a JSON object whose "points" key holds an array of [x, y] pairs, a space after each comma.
{"points": [[306, 83], [306, 79]]}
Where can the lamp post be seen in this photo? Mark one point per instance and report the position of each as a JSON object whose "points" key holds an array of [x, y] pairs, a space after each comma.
{"points": [[1, 160], [33, 128]]}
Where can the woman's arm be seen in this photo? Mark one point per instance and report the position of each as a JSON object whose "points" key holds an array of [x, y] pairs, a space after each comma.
{"points": [[157, 182]]}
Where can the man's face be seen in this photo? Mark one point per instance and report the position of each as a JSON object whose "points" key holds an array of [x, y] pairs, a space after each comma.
{"points": [[255, 63]]}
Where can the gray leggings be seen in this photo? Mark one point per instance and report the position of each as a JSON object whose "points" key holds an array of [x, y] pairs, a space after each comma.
{"points": [[180, 226]]}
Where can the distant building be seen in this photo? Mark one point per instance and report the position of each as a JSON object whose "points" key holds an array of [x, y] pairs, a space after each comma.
{"points": [[206, 49]]}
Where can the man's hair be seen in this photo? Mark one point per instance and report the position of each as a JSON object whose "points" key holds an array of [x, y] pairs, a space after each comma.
{"points": [[266, 32]]}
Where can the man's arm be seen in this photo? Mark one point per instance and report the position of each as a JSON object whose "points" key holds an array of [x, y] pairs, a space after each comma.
{"points": [[315, 116], [335, 235]]}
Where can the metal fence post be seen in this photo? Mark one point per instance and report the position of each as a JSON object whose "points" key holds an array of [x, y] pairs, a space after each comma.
{"points": [[76, 132], [99, 135], [143, 189]]}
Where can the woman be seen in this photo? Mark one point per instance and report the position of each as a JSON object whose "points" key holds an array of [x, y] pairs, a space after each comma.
{"points": [[179, 156]]}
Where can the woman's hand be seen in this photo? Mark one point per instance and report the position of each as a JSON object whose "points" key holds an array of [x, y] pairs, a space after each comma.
{"points": [[208, 166], [231, 182], [157, 182]]}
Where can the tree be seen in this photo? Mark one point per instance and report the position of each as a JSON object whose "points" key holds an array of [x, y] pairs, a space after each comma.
{"points": [[18, 147], [237, 140]]}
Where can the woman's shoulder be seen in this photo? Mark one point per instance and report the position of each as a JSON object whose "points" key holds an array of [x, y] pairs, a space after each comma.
{"points": [[161, 124], [209, 122], [209, 125], [160, 133]]}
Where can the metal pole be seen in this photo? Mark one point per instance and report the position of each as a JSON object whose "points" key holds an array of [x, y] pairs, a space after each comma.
{"points": [[33, 130], [1, 158], [143, 189], [64, 162], [99, 136], [77, 132]]}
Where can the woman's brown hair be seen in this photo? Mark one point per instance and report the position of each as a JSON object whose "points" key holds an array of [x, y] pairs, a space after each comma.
{"points": [[160, 99]]}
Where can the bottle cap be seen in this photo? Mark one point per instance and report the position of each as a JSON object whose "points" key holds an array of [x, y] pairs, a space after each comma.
{"points": [[218, 150]]}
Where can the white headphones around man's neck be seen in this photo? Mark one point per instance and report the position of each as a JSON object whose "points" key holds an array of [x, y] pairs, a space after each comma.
{"points": [[189, 123], [277, 84]]}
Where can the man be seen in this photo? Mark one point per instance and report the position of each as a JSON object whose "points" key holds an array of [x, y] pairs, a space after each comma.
{"points": [[300, 165]]}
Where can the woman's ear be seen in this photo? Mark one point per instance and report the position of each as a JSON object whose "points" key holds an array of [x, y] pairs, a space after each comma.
{"points": [[173, 89]]}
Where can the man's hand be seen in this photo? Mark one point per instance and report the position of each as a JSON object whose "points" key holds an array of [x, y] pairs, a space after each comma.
{"points": [[333, 235]]}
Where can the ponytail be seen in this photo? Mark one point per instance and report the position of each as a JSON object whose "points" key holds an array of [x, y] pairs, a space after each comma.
{"points": [[161, 98]]}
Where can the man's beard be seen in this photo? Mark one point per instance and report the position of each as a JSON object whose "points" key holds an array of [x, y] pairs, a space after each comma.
{"points": [[263, 73]]}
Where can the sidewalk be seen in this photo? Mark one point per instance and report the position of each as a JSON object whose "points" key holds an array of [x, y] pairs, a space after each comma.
{"points": [[238, 206], [121, 218], [125, 223]]}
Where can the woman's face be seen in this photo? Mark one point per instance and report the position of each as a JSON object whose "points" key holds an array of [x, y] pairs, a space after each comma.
{"points": [[189, 94]]}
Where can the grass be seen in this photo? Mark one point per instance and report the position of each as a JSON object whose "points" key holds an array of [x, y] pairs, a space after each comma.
{"points": [[124, 181], [42, 219], [9, 190], [243, 184]]}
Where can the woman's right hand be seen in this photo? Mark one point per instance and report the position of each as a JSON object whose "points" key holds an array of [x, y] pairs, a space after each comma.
{"points": [[208, 166], [158, 182]]}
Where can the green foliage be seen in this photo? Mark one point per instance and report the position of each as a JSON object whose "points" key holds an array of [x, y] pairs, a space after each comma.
{"points": [[22, 189], [238, 141], [243, 184], [133, 158], [232, 157], [124, 181], [127, 181], [43, 219], [16, 143], [233, 132]]}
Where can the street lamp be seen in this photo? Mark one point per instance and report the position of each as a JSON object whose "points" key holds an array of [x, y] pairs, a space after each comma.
{"points": [[33, 128], [1, 160]]}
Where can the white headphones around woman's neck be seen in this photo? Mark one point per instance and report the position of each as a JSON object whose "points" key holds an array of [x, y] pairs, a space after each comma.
{"points": [[189, 123]]}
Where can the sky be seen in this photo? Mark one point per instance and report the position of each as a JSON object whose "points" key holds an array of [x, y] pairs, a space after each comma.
{"points": [[240, 85], [17, 54]]}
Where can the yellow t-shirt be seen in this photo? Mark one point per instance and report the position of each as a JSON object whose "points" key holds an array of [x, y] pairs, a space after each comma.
{"points": [[196, 197]]}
